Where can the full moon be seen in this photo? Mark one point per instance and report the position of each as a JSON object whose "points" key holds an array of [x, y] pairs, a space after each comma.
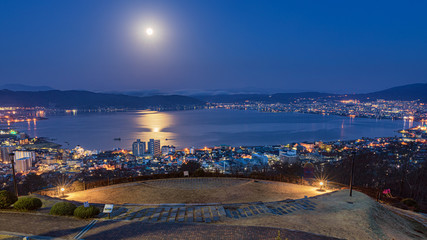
{"points": [[149, 31]]}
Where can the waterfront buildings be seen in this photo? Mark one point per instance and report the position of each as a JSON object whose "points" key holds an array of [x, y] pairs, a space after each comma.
{"points": [[21, 154], [4, 153], [154, 147], [418, 133], [138, 148], [23, 164], [24, 160]]}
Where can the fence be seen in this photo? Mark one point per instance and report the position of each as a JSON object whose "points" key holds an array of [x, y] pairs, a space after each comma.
{"points": [[79, 186]]}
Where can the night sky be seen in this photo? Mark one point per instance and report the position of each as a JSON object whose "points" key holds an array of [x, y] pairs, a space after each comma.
{"points": [[330, 46]]}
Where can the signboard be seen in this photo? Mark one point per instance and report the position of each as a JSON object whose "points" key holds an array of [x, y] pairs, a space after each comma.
{"points": [[186, 174], [108, 208], [86, 204]]}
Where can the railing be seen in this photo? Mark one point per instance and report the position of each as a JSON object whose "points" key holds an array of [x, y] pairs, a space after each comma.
{"points": [[79, 186]]}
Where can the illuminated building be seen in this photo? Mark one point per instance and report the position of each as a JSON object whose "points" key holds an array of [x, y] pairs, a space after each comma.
{"points": [[289, 156], [168, 150], [4, 153], [154, 147], [138, 148], [23, 164], [25, 154]]}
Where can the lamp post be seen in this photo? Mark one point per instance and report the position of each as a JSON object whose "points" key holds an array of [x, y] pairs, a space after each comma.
{"points": [[352, 174], [12, 160], [62, 191]]}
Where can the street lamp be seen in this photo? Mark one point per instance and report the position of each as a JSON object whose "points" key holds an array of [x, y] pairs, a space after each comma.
{"points": [[321, 185], [62, 191], [12, 160]]}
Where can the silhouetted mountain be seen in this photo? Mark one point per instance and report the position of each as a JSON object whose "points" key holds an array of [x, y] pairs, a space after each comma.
{"points": [[266, 98], [91, 100], [406, 93], [21, 87]]}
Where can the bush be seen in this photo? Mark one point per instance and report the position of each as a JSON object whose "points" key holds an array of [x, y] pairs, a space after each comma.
{"points": [[89, 212], [63, 209], [28, 203], [410, 202], [199, 173], [7, 198]]}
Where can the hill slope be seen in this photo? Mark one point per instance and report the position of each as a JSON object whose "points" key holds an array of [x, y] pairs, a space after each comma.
{"points": [[267, 98], [86, 99], [406, 93], [21, 87], [338, 215]]}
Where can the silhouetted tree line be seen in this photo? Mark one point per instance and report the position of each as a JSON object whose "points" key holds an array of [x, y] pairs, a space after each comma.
{"points": [[373, 170]]}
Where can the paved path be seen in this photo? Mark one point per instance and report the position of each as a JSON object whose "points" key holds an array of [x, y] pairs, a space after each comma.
{"points": [[136, 230], [181, 213], [69, 228], [40, 225]]}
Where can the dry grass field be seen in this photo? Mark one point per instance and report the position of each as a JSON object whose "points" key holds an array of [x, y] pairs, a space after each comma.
{"points": [[338, 215], [194, 190]]}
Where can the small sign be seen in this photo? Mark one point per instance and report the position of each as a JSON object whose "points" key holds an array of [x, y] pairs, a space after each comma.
{"points": [[86, 204], [186, 174], [108, 208]]}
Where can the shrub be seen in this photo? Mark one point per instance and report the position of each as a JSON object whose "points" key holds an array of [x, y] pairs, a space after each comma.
{"points": [[63, 209], [410, 202], [28, 203], [199, 173], [7, 198], [88, 212]]}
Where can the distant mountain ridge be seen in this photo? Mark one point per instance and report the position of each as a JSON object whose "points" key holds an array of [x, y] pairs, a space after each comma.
{"points": [[87, 99], [267, 98], [22, 87], [409, 92], [91, 100]]}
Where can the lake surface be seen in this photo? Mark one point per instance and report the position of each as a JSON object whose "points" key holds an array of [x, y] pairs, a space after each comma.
{"points": [[201, 128]]}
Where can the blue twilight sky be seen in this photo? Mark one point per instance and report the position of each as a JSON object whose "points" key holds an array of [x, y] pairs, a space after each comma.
{"points": [[331, 46]]}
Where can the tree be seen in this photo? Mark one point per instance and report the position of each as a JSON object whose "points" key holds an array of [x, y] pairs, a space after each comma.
{"points": [[33, 182], [190, 166]]}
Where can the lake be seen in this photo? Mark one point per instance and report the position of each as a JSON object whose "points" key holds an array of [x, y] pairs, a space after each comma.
{"points": [[199, 128]]}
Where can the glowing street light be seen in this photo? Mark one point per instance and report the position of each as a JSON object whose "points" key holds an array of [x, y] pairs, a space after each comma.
{"points": [[62, 190]]}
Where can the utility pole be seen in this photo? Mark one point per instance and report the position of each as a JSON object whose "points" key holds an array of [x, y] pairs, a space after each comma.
{"points": [[12, 160], [352, 174]]}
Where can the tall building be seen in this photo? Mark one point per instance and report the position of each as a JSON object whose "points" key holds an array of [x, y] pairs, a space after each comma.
{"points": [[138, 148], [23, 164], [154, 147], [20, 154], [4, 153]]}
